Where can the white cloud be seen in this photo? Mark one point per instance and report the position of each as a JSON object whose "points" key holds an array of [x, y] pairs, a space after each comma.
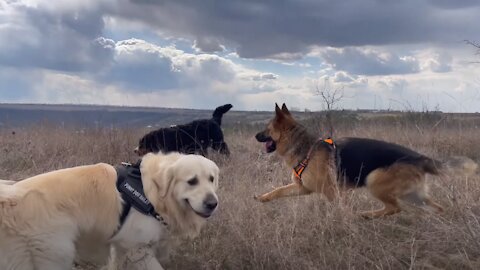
{"points": [[435, 61], [207, 45], [343, 77], [144, 74], [369, 61], [264, 77]]}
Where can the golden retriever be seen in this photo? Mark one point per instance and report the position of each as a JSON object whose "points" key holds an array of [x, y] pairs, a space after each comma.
{"points": [[48, 220]]}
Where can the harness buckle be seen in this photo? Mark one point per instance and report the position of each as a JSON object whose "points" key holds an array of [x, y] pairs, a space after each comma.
{"points": [[302, 165], [330, 141]]}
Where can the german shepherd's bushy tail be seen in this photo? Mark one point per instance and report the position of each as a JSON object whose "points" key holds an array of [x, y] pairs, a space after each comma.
{"points": [[459, 165], [219, 111]]}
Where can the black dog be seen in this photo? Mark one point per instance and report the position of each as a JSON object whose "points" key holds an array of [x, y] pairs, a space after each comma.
{"points": [[191, 138]]}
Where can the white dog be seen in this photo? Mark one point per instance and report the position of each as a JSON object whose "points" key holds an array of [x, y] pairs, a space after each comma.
{"points": [[49, 219]]}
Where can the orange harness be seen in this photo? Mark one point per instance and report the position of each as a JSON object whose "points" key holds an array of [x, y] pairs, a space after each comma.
{"points": [[298, 170]]}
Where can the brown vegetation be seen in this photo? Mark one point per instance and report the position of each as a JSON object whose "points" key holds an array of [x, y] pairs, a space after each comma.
{"points": [[293, 233]]}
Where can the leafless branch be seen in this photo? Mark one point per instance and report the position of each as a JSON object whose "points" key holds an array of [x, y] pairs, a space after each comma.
{"points": [[473, 43], [331, 97], [476, 45]]}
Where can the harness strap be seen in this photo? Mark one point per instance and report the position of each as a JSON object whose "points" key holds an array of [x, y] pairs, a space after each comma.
{"points": [[125, 212], [129, 184], [302, 165]]}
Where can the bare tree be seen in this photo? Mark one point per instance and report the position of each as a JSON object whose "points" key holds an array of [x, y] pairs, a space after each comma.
{"points": [[476, 45], [473, 43], [331, 98]]}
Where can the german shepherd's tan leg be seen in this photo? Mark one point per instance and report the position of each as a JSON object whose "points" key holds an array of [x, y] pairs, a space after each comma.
{"points": [[400, 181], [433, 204], [293, 189], [391, 207], [387, 185], [329, 190]]}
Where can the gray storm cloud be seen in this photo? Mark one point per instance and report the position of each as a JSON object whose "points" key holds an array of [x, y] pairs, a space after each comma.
{"points": [[67, 38], [51, 39], [265, 28]]}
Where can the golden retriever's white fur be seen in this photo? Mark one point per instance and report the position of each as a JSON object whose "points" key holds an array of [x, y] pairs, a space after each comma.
{"points": [[7, 182], [49, 219]]}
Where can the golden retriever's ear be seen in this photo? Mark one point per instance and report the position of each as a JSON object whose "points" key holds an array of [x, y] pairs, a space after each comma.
{"points": [[165, 183], [285, 109], [156, 180], [216, 174]]}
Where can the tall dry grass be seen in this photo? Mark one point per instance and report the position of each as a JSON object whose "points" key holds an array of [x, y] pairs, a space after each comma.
{"points": [[292, 233]]}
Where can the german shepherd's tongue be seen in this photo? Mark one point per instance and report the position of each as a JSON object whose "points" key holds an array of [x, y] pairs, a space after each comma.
{"points": [[268, 145]]}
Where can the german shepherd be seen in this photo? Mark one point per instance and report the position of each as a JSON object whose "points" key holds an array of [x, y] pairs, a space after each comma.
{"points": [[389, 171]]}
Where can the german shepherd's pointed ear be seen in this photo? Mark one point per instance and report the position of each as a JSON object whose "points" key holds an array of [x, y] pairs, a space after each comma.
{"points": [[285, 109], [278, 111]]}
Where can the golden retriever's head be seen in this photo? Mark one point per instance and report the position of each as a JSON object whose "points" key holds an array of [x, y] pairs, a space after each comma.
{"points": [[195, 181], [281, 123], [183, 187]]}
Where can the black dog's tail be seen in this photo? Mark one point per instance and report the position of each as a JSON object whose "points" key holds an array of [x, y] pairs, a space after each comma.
{"points": [[219, 111]]}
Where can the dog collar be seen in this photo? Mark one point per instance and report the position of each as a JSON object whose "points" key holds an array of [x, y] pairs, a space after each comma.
{"points": [[302, 165], [129, 184]]}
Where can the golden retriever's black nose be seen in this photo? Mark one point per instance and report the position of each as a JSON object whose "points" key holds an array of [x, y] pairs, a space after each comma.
{"points": [[211, 206], [210, 202]]}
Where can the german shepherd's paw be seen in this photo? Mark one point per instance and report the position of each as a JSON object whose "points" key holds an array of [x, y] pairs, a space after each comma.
{"points": [[261, 198], [379, 213], [366, 215]]}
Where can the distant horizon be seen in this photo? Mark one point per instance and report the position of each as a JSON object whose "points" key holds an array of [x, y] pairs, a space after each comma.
{"points": [[294, 109]]}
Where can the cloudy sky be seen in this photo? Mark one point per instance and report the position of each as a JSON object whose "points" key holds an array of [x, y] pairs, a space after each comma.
{"points": [[381, 54]]}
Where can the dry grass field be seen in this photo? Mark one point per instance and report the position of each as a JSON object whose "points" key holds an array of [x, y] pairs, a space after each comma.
{"points": [[293, 233]]}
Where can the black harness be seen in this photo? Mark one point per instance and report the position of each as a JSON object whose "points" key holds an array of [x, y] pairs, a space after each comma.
{"points": [[129, 184]]}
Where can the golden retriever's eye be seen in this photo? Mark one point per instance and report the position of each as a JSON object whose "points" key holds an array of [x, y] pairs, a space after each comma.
{"points": [[193, 181], [211, 179]]}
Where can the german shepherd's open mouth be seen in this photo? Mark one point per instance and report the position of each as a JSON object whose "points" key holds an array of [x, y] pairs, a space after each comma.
{"points": [[270, 144]]}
